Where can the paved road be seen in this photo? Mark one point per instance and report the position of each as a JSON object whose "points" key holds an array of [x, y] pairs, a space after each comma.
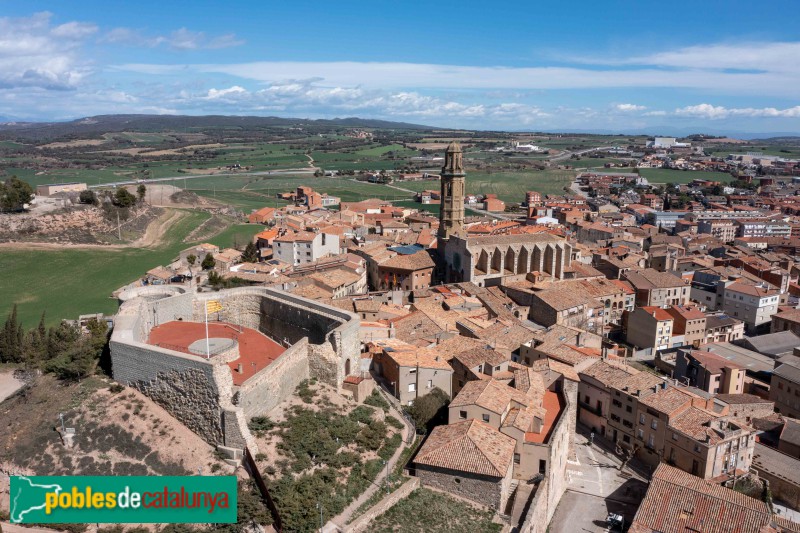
{"points": [[596, 487], [198, 176]]}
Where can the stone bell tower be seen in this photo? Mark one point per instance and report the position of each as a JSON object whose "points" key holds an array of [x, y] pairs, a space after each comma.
{"points": [[451, 214]]}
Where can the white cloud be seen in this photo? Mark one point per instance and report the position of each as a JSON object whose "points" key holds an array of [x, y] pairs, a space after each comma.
{"points": [[713, 112], [180, 39], [626, 108], [657, 113], [32, 54], [74, 30], [222, 93], [416, 76]]}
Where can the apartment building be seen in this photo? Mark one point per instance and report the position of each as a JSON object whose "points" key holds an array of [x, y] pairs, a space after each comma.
{"points": [[688, 322], [724, 230], [649, 329], [302, 247], [709, 372], [658, 421], [752, 304]]}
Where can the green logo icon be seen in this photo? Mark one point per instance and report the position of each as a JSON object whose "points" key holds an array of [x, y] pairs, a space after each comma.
{"points": [[123, 500]]}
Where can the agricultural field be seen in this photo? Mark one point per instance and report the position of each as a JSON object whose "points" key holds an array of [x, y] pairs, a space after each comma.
{"points": [[65, 282], [508, 186], [253, 192], [667, 175]]}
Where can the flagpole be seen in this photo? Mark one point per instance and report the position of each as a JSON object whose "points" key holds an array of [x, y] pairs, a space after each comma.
{"points": [[208, 348]]}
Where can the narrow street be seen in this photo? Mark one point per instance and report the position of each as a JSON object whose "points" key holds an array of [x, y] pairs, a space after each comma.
{"points": [[596, 487]]}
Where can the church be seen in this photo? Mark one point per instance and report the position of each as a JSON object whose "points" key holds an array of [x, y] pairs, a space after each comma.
{"points": [[493, 260]]}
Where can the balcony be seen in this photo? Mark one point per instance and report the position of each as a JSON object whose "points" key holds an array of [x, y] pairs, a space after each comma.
{"points": [[588, 408]]}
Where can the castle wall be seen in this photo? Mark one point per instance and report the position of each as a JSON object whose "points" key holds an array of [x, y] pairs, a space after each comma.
{"points": [[199, 392], [268, 388]]}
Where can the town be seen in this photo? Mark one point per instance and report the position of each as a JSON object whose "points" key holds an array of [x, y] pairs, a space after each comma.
{"points": [[620, 355]]}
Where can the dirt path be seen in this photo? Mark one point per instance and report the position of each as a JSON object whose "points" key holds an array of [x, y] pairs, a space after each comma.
{"points": [[156, 230]]}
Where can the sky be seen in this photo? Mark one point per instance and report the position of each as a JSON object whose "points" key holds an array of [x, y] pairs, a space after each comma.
{"points": [[620, 66]]}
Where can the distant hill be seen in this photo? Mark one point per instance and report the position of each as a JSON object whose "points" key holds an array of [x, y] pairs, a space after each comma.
{"points": [[100, 124]]}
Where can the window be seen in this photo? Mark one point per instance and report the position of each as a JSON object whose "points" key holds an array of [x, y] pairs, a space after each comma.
{"points": [[430, 384], [629, 408], [456, 481], [486, 418], [412, 387], [674, 436], [542, 466], [412, 371], [641, 418], [516, 458], [651, 441], [654, 424], [616, 403], [640, 434], [462, 415], [626, 439]]}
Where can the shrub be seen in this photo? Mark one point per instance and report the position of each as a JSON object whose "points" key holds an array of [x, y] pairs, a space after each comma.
{"points": [[116, 388], [362, 414], [395, 423], [260, 424], [390, 446], [376, 400]]}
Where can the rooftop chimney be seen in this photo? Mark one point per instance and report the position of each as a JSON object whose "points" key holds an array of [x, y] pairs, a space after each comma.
{"points": [[239, 368]]}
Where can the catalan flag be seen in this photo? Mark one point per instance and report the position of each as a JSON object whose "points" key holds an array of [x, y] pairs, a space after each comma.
{"points": [[213, 306]]}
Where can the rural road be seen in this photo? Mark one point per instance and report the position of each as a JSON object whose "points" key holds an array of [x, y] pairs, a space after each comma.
{"points": [[566, 154], [196, 176]]}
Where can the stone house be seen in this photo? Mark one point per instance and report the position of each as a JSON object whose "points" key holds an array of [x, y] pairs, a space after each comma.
{"points": [[787, 321], [469, 458], [659, 289]]}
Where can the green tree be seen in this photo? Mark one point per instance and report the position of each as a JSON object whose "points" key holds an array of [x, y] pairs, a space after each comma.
{"points": [[141, 191], [11, 339], [88, 197], [123, 198], [429, 410], [14, 194], [191, 259], [208, 262], [250, 254]]}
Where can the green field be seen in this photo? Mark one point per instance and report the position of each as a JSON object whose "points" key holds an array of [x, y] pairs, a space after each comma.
{"points": [[668, 175], [508, 186], [253, 192], [69, 282]]}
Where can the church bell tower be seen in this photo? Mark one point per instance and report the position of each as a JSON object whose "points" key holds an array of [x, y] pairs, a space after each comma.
{"points": [[451, 214]]}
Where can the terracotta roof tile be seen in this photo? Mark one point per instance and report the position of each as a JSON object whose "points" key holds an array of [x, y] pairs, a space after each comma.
{"points": [[469, 446]]}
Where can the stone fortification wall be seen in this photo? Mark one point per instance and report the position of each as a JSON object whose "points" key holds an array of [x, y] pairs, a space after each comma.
{"points": [[561, 442], [199, 392], [536, 520], [269, 387], [552, 487]]}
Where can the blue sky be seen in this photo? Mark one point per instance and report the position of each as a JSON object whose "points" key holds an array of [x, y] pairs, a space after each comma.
{"points": [[582, 65]]}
